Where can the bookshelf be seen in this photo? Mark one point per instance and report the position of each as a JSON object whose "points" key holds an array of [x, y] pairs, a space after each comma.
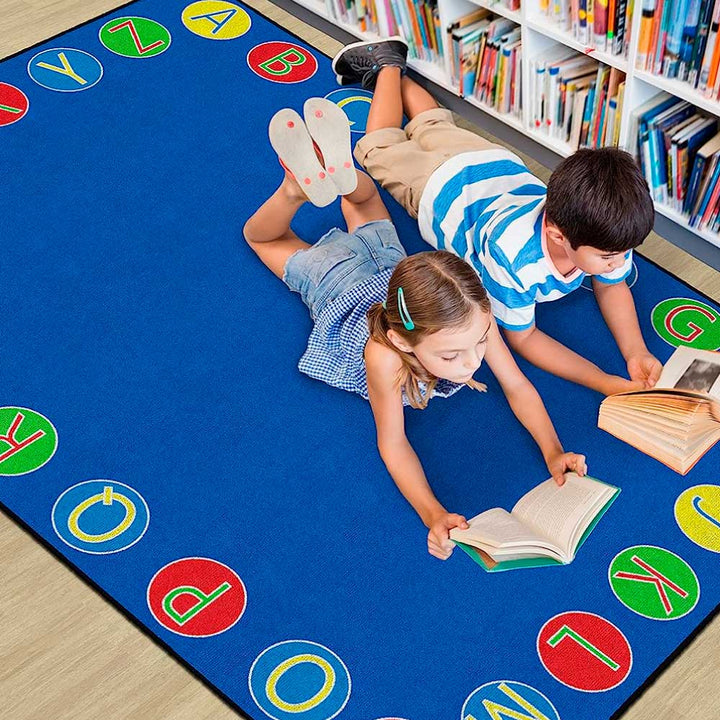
{"points": [[540, 34]]}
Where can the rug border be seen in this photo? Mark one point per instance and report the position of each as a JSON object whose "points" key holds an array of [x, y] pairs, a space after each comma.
{"points": [[151, 634]]}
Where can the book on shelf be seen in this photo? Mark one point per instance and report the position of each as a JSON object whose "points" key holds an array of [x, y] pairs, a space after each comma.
{"points": [[485, 59], [678, 151], [678, 420], [560, 80], [546, 526], [599, 24], [679, 39]]}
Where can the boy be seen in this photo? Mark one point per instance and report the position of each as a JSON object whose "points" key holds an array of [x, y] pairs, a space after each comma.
{"points": [[527, 242]]}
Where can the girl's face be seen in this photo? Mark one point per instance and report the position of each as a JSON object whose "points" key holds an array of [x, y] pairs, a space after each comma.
{"points": [[455, 353]]}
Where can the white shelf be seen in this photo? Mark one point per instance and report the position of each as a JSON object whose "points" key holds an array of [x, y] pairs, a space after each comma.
{"points": [[541, 25], [512, 120], [540, 34], [500, 9], [680, 219], [680, 89]]}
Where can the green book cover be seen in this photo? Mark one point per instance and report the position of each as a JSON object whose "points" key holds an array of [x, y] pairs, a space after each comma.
{"points": [[487, 563]]}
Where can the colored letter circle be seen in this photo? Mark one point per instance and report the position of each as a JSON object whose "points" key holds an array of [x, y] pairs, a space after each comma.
{"points": [[697, 512], [216, 19], [196, 597], [282, 62], [355, 104], [65, 69], [584, 651], [507, 698], [100, 516], [27, 440], [680, 321], [299, 679], [654, 582], [13, 104], [135, 37]]}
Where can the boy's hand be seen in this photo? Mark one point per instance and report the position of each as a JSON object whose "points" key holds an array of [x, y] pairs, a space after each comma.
{"points": [[561, 463], [645, 368], [439, 543]]}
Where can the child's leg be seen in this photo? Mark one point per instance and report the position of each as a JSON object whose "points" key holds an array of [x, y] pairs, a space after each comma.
{"points": [[363, 205], [400, 165], [268, 231], [434, 128]]}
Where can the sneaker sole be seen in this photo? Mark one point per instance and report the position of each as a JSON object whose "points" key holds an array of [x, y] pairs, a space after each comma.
{"points": [[362, 43], [329, 128], [292, 143]]}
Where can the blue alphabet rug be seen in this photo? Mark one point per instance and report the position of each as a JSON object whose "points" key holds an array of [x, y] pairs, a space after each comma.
{"points": [[155, 431]]}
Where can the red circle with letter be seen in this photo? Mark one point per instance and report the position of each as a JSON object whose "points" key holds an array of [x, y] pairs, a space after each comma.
{"points": [[282, 62], [197, 597], [584, 651], [13, 104]]}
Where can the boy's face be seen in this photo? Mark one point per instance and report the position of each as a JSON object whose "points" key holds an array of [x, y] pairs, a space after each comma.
{"points": [[595, 262]]}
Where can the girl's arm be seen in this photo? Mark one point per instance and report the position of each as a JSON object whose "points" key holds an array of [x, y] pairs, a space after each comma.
{"points": [[529, 409], [382, 367]]}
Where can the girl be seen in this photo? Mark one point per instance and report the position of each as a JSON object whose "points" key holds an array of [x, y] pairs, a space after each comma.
{"points": [[397, 330]]}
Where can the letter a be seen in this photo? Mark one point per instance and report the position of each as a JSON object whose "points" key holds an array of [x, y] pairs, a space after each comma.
{"points": [[211, 17]]}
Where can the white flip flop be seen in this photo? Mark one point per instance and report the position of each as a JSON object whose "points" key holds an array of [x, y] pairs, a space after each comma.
{"points": [[330, 129], [291, 141]]}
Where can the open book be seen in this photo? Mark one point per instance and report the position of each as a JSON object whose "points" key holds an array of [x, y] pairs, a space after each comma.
{"points": [[677, 421], [546, 526]]}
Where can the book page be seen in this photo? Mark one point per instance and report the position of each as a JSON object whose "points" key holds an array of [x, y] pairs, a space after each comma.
{"points": [[496, 528], [562, 513], [692, 370]]}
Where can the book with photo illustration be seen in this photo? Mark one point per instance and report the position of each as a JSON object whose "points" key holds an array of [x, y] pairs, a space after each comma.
{"points": [[677, 421], [545, 527]]}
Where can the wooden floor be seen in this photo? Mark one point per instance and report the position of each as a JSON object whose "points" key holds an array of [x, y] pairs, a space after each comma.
{"points": [[65, 653]]}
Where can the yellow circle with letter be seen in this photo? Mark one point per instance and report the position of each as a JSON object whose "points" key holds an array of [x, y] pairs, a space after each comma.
{"points": [[697, 512], [216, 19]]}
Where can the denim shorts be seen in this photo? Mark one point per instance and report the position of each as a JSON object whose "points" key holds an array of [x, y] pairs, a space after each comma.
{"points": [[339, 260]]}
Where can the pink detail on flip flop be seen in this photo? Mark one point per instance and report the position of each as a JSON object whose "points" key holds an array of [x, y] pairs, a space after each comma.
{"points": [[318, 113], [307, 181], [347, 164], [291, 124], [321, 175], [331, 169]]}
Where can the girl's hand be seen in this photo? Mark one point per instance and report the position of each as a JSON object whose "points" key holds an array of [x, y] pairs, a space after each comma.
{"points": [[561, 463], [439, 543]]}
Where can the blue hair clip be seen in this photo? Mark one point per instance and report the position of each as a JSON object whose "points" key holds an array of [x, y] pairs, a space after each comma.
{"points": [[403, 310]]}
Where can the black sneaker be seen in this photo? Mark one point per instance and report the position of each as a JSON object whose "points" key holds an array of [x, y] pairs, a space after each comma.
{"points": [[361, 61]]}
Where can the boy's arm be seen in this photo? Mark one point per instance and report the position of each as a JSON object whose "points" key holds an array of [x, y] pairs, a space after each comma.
{"points": [[618, 308], [552, 356], [382, 366], [529, 409]]}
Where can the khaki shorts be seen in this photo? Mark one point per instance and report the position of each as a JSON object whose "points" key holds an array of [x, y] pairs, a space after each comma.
{"points": [[402, 160]]}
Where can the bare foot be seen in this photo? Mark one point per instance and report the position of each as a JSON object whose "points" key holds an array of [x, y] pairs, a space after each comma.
{"points": [[293, 191]]}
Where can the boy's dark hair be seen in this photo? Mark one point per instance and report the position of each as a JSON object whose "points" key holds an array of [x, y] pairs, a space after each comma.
{"points": [[600, 198]]}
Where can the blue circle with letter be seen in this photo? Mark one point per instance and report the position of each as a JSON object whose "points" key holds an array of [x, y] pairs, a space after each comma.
{"points": [[299, 680], [507, 698], [100, 516], [65, 69], [355, 103]]}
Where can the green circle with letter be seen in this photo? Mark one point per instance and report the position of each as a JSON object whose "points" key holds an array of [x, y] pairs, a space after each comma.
{"points": [[680, 321], [654, 582], [134, 37], [27, 440]]}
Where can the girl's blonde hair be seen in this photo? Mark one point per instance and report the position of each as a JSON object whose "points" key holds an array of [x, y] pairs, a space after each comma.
{"points": [[440, 291]]}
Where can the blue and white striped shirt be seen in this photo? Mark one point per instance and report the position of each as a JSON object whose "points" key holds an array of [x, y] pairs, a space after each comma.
{"points": [[488, 208], [336, 347]]}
